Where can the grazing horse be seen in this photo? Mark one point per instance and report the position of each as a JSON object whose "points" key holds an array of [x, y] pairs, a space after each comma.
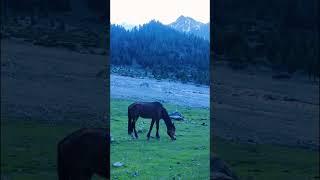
{"points": [[84, 153], [151, 110]]}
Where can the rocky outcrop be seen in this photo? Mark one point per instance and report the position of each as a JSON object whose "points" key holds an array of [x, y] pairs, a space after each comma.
{"points": [[176, 116]]}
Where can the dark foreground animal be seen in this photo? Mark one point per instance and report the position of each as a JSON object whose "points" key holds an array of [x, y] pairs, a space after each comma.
{"points": [[220, 170], [84, 153], [151, 110]]}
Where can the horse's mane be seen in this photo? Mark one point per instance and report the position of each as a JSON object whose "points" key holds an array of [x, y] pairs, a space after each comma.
{"points": [[166, 118]]}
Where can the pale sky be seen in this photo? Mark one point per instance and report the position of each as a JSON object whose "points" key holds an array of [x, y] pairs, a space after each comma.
{"points": [[166, 11]]}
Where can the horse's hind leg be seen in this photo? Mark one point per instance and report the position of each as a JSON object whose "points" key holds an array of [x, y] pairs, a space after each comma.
{"points": [[157, 125], [151, 126], [134, 127]]}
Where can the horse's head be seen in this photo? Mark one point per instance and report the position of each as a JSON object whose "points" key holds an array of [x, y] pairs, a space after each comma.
{"points": [[172, 132]]}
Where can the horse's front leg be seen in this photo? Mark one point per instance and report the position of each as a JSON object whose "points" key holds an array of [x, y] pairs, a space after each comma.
{"points": [[151, 126], [157, 125]]}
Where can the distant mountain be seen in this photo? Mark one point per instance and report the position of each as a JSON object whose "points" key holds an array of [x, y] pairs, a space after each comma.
{"points": [[163, 50], [189, 25]]}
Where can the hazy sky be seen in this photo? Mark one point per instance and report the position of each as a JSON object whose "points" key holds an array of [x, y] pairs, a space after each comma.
{"points": [[166, 11]]}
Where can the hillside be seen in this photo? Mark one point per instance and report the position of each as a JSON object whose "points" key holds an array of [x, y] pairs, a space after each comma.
{"points": [[163, 51], [46, 7], [279, 34], [51, 84]]}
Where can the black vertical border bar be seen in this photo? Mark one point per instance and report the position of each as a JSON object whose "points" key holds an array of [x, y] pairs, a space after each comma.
{"points": [[211, 91], [108, 59]]}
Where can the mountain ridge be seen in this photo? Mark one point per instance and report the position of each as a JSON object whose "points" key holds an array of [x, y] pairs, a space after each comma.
{"points": [[191, 26], [182, 24]]}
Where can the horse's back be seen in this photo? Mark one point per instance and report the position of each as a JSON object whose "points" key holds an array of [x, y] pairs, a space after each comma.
{"points": [[79, 135], [145, 104], [145, 109]]}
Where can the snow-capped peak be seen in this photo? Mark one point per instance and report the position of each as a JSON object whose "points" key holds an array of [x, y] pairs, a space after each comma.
{"points": [[189, 25], [186, 24]]}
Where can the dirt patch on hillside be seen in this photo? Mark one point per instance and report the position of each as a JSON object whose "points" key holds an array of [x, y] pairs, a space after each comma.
{"points": [[251, 106], [51, 84]]}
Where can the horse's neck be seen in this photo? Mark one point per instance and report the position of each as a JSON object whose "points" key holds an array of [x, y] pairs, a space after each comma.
{"points": [[166, 118], [168, 122]]}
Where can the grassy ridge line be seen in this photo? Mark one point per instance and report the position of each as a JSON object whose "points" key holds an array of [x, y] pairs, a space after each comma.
{"points": [[185, 158]]}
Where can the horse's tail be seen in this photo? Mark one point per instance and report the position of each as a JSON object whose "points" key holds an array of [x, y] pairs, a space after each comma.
{"points": [[129, 122], [62, 174]]}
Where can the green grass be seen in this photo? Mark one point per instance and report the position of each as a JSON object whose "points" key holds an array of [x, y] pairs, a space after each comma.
{"points": [[28, 148], [185, 158], [265, 162], [28, 151]]}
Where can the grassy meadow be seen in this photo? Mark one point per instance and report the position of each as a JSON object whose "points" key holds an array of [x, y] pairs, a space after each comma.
{"points": [[28, 148], [265, 162], [185, 158]]}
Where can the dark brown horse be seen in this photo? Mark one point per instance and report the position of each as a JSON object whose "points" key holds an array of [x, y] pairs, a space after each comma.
{"points": [[84, 153], [151, 110]]}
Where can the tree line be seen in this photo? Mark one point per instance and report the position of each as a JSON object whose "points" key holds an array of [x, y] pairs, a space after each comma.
{"points": [[285, 33], [161, 50]]}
